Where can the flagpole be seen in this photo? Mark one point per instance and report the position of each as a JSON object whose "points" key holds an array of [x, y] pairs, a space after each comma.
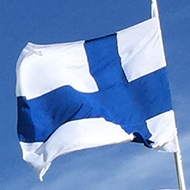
{"points": [[179, 169], [177, 155]]}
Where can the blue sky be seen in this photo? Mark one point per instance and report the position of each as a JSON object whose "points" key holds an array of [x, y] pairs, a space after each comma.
{"points": [[124, 166]]}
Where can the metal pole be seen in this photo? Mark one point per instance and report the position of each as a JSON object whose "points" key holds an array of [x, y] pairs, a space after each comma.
{"points": [[179, 170], [177, 155]]}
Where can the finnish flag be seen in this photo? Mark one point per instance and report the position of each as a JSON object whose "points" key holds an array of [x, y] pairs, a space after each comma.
{"points": [[85, 94]]}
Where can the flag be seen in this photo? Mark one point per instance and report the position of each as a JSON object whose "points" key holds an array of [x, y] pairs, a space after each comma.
{"points": [[85, 94]]}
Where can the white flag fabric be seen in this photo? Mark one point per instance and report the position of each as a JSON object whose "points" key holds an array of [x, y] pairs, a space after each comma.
{"points": [[85, 94]]}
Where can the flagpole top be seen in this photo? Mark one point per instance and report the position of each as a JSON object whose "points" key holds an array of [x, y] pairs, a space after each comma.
{"points": [[154, 9]]}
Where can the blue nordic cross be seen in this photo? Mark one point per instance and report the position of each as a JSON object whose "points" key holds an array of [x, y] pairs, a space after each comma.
{"points": [[128, 104]]}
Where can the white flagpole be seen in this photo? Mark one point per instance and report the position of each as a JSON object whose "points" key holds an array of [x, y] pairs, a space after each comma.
{"points": [[179, 169], [177, 155]]}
